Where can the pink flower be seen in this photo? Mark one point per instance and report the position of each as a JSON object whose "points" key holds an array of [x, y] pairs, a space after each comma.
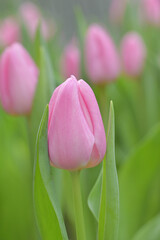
{"points": [[76, 136], [151, 10], [133, 53], [70, 62], [18, 80], [32, 17], [117, 10], [9, 32], [101, 57]]}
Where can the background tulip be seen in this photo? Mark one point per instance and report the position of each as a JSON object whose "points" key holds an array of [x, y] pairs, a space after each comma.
{"points": [[76, 136], [9, 32], [70, 62], [18, 80], [133, 53], [151, 11], [32, 17], [117, 10], [102, 62]]}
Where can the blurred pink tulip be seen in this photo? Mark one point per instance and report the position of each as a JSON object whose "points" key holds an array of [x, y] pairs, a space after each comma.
{"points": [[151, 11], [18, 80], [117, 10], [133, 54], [101, 57], [70, 62], [9, 32], [32, 17], [76, 136]]}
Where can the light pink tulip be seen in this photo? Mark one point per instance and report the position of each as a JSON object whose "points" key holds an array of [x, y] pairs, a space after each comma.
{"points": [[9, 32], [18, 80], [151, 11], [101, 57], [32, 17], [133, 52], [117, 10], [76, 136], [70, 62]]}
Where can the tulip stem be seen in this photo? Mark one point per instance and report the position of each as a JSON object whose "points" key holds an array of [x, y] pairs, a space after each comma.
{"points": [[78, 206]]}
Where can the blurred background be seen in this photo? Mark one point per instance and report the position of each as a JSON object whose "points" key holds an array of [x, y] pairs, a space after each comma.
{"points": [[136, 100]]}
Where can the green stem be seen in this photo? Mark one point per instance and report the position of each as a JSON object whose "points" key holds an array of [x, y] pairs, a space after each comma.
{"points": [[103, 104], [78, 206]]}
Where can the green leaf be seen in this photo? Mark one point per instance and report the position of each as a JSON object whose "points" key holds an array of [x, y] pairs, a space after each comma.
{"points": [[45, 87], [48, 211], [103, 200], [150, 231], [94, 197], [139, 185]]}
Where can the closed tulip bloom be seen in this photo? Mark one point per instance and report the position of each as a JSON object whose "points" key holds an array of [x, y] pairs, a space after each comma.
{"points": [[76, 136], [70, 62], [102, 61], [133, 54], [32, 17], [117, 11], [9, 32], [18, 80], [151, 11]]}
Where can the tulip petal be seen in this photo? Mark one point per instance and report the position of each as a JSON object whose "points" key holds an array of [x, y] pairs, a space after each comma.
{"points": [[99, 147]]}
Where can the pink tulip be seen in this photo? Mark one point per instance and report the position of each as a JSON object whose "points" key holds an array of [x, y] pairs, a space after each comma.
{"points": [[18, 80], [70, 63], [102, 61], [9, 32], [133, 53], [76, 136], [32, 17], [117, 10], [151, 10]]}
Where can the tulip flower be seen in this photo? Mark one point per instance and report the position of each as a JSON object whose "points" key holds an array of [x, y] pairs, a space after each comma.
{"points": [[117, 10], [133, 54], [70, 62], [101, 57], [9, 32], [32, 17], [18, 80], [151, 11], [76, 136]]}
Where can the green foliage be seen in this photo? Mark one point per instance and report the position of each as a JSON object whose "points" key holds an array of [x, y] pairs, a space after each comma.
{"points": [[104, 197], [49, 215], [139, 185]]}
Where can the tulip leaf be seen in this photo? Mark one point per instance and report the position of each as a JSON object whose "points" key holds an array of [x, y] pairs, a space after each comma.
{"points": [[48, 211], [139, 185], [103, 200], [45, 88], [150, 231]]}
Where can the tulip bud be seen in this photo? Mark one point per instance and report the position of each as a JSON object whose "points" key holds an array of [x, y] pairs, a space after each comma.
{"points": [[102, 61], [76, 136], [133, 54], [151, 11], [9, 32], [32, 17], [117, 10], [70, 62], [18, 80]]}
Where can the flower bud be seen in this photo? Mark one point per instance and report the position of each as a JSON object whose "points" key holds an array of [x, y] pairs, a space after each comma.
{"points": [[151, 11], [102, 61], [76, 136], [117, 11], [31, 16], [133, 52], [9, 32], [18, 80], [70, 62]]}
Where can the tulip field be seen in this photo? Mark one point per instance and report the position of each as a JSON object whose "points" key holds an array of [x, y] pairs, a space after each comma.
{"points": [[80, 120]]}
